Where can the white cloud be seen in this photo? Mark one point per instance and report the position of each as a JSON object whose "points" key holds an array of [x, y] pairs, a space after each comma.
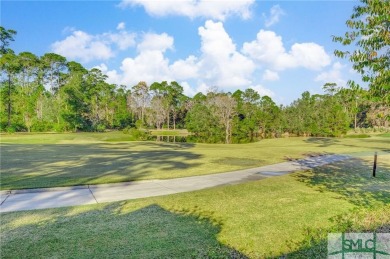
{"points": [[221, 64], [262, 90], [86, 47], [268, 49], [310, 55], [123, 39], [275, 13], [187, 89], [270, 75], [218, 10], [155, 42], [334, 75], [185, 69], [83, 46], [121, 26], [149, 65], [102, 67]]}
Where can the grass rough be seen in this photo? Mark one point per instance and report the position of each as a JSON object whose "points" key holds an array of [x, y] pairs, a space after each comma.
{"points": [[50, 160], [282, 216]]}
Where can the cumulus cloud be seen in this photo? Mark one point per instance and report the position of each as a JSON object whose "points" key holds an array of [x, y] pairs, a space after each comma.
{"points": [[155, 42], [86, 47], [221, 64], [333, 75], [270, 75], [185, 69], [263, 91], [149, 65], [187, 89], [83, 46], [123, 39], [121, 26], [217, 10], [268, 49], [275, 13]]}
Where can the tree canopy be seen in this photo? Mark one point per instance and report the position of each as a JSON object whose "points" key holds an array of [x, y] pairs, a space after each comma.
{"points": [[369, 37]]}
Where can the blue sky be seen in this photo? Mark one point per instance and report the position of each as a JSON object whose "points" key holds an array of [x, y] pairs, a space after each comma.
{"points": [[279, 48]]}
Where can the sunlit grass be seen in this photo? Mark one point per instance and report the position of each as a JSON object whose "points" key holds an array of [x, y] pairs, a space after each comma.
{"points": [[46, 160], [264, 218]]}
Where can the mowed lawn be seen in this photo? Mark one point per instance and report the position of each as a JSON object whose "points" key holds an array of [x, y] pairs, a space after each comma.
{"points": [[266, 218], [48, 160]]}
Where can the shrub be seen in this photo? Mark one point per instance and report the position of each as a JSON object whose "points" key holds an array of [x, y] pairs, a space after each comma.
{"points": [[137, 134]]}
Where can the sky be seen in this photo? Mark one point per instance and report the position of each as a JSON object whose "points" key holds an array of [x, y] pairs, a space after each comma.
{"points": [[278, 48]]}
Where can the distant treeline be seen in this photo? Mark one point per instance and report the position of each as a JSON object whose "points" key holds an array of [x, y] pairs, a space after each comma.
{"points": [[49, 93]]}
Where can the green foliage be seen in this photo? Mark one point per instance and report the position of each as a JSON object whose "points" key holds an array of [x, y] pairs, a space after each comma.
{"points": [[137, 134], [5, 37], [317, 115], [49, 93], [370, 35], [202, 123]]}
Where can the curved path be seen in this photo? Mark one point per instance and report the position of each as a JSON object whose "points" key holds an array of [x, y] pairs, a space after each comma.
{"points": [[17, 200]]}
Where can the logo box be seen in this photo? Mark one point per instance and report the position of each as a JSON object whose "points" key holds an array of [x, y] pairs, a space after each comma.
{"points": [[358, 245]]}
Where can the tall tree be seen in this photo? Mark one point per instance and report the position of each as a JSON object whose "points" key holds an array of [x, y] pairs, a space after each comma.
{"points": [[54, 67], [370, 32], [140, 99], [5, 37], [75, 92], [29, 89], [10, 66], [223, 106]]}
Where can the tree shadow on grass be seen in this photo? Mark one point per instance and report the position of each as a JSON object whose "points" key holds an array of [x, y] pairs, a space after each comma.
{"points": [[315, 244], [352, 180], [111, 231], [35, 166], [322, 142]]}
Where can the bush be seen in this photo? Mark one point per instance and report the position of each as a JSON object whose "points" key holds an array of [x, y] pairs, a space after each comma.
{"points": [[100, 128], [136, 133], [41, 126], [11, 129], [139, 124]]}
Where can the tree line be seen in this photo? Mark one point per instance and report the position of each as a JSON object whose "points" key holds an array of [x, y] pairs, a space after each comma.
{"points": [[49, 93]]}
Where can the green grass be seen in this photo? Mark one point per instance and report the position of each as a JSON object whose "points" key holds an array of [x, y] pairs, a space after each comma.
{"points": [[357, 136], [47, 160], [270, 217], [169, 132]]}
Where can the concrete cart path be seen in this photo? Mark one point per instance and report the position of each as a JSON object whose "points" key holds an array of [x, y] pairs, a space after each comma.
{"points": [[17, 200]]}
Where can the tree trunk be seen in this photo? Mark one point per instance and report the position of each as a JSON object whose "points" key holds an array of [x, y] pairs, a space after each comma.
{"points": [[174, 120], [168, 120], [9, 100], [355, 116], [227, 133]]}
